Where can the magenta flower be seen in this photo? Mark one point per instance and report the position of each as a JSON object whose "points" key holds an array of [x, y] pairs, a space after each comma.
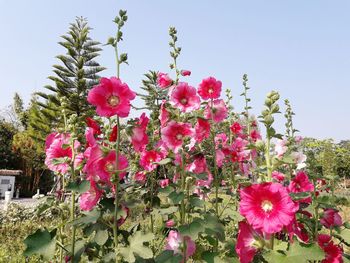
{"points": [[267, 207], [279, 177], [163, 80], [255, 135], [139, 136], [174, 134], [202, 130], [175, 241], [89, 199], [210, 88], [94, 125], [149, 158], [301, 183], [170, 223], [236, 128], [184, 97], [111, 97], [334, 253], [185, 73], [164, 115], [331, 218], [218, 111], [164, 183], [140, 177], [246, 240]]}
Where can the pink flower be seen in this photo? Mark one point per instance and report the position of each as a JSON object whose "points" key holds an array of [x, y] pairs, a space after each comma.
{"points": [[114, 134], [298, 139], [279, 177], [164, 183], [148, 159], [111, 97], [198, 166], [164, 115], [185, 73], [220, 157], [299, 159], [267, 207], [170, 223], [89, 199], [94, 125], [56, 148], [140, 177], [297, 229], [163, 80], [218, 109], [236, 128], [78, 161], [139, 136], [175, 241], [281, 148], [246, 239], [210, 88], [331, 218], [255, 135], [123, 216], [334, 253], [184, 97], [202, 130], [174, 134], [301, 183]]}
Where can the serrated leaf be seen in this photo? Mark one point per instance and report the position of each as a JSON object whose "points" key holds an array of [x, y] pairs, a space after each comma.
{"points": [[42, 242], [136, 246]]}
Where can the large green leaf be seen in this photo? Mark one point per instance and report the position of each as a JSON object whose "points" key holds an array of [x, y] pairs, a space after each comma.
{"points": [[136, 246], [101, 237], [168, 256], [82, 187], [42, 242], [87, 218]]}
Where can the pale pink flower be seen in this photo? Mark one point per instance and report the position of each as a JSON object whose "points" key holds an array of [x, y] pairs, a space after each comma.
{"points": [[299, 159], [139, 136], [278, 176], [281, 148], [175, 241], [218, 111], [184, 97], [89, 199]]}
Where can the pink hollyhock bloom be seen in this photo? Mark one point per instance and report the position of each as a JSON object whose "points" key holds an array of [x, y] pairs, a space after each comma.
{"points": [[175, 241], [90, 138], [164, 115], [105, 167], [124, 216], [114, 134], [163, 80], [184, 97], [78, 160], [221, 138], [267, 207], [185, 73], [220, 157], [164, 183], [218, 109], [255, 135], [56, 147], [301, 183], [298, 139], [210, 88], [89, 199], [170, 223], [94, 125], [299, 159], [111, 97], [140, 177], [236, 128], [297, 229], [148, 159], [202, 130], [205, 183], [334, 253], [139, 136], [281, 148], [246, 242], [279, 177], [198, 166], [174, 134], [331, 218]]}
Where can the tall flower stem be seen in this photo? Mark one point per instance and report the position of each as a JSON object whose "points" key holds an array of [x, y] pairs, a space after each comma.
{"points": [[183, 186], [268, 159], [72, 211], [216, 179]]}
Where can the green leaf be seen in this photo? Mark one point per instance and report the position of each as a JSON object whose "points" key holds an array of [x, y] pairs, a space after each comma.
{"points": [[87, 218], [83, 187], [42, 242], [101, 237], [136, 246], [164, 161], [299, 196], [168, 256], [193, 229], [176, 198]]}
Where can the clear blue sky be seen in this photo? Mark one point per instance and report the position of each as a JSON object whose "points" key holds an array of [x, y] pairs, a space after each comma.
{"points": [[300, 48]]}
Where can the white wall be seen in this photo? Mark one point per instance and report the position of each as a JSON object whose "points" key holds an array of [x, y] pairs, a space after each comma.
{"points": [[4, 182]]}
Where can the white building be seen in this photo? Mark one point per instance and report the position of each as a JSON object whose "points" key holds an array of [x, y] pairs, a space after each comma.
{"points": [[7, 181]]}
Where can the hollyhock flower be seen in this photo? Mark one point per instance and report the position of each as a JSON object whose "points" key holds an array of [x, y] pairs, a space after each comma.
{"points": [[220, 139], [236, 128], [281, 148], [205, 183], [148, 159], [185, 73], [139, 138], [301, 183], [163, 80], [218, 112], [299, 159], [298, 139], [202, 130], [164, 115], [89, 199], [78, 161], [184, 97], [140, 177], [255, 135], [94, 125], [164, 183], [56, 149], [105, 166], [279, 177], [220, 157], [170, 223], [198, 166], [90, 138], [123, 216], [111, 97], [331, 218], [267, 207], [114, 134], [334, 253], [210, 88], [297, 229], [174, 134], [247, 242], [175, 242]]}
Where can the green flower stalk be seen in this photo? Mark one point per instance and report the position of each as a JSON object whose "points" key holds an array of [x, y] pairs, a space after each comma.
{"points": [[175, 52]]}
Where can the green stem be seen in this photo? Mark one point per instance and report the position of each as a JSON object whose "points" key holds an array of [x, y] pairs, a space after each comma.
{"points": [[72, 212], [183, 184], [267, 157]]}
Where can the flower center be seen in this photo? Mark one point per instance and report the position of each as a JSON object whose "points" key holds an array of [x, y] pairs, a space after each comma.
{"points": [[210, 90], [179, 136], [266, 205], [113, 100], [183, 101], [110, 167]]}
